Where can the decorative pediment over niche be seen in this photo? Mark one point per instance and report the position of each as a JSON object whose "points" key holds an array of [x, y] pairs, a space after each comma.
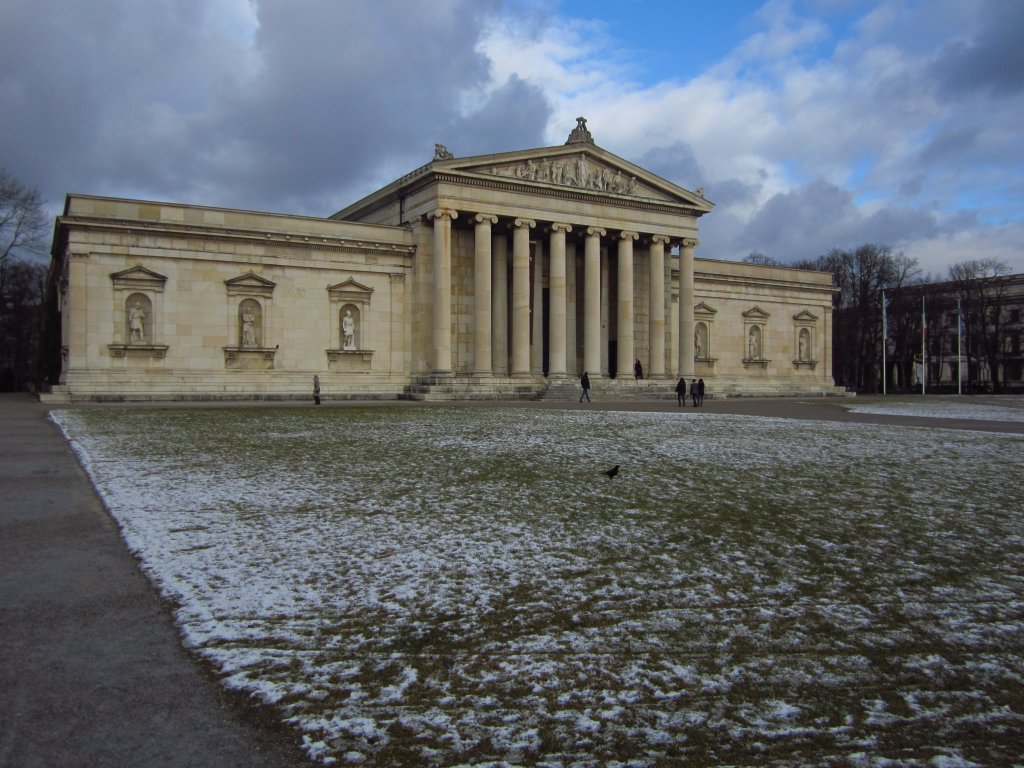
{"points": [[139, 278], [704, 309], [756, 314], [805, 316], [250, 284], [350, 290]]}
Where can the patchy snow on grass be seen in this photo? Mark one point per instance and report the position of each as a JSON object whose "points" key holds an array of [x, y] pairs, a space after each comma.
{"points": [[463, 586], [947, 407]]}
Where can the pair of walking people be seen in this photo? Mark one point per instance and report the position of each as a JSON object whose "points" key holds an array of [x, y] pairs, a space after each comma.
{"points": [[696, 390]]}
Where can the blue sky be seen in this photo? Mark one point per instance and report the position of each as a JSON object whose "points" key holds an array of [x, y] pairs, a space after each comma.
{"points": [[812, 124]]}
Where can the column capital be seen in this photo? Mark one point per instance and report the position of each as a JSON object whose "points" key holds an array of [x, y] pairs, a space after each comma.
{"points": [[662, 239], [627, 235], [440, 213], [561, 227], [485, 218], [689, 242], [596, 231], [528, 223]]}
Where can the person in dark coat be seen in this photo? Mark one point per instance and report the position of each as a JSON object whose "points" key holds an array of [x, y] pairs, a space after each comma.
{"points": [[585, 383], [700, 391], [693, 392], [316, 389], [638, 370], [681, 392]]}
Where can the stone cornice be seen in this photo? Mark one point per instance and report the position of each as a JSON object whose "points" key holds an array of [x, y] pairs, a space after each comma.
{"points": [[199, 232]]}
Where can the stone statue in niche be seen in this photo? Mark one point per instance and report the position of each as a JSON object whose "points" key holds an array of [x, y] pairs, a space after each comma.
{"points": [[348, 331], [248, 326], [803, 344], [700, 341], [755, 343], [137, 323]]}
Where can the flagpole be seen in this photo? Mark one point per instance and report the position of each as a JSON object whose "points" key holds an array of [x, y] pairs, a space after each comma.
{"points": [[959, 356], [924, 349], [885, 339]]}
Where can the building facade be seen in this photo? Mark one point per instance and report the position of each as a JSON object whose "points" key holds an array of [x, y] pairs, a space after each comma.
{"points": [[957, 336], [487, 276]]}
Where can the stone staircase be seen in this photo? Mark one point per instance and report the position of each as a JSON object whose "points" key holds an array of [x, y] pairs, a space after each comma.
{"points": [[442, 388], [565, 390]]}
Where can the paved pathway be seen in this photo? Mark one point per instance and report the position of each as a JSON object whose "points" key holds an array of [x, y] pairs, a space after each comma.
{"points": [[92, 673]]}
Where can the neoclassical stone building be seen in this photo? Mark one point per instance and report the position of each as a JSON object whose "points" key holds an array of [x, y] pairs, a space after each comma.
{"points": [[491, 276]]}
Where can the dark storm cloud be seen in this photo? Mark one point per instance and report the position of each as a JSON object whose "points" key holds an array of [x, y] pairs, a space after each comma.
{"points": [[676, 163], [808, 221], [991, 61], [327, 100]]}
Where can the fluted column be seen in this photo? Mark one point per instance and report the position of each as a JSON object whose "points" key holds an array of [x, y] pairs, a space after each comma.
{"points": [[656, 366], [442, 320], [686, 308], [499, 305], [592, 301], [537, 310], [482, 294], [572, 299], [557, 319], [521, 296], [624, 359]]}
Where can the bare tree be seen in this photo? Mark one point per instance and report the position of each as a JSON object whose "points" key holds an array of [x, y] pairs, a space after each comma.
{"points": [[980, 286], [756, 257], [23, 230], [23, 226], [22, 285], [861, 275]]}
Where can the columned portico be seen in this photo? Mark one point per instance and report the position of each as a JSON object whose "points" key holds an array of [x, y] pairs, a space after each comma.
{"points": [[482, 364], [686, 308], [442, 315]]}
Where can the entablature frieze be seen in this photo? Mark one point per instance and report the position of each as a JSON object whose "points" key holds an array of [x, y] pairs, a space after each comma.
{"points": [[289, 240]]}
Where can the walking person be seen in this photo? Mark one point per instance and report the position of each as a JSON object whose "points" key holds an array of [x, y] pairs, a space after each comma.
{"points": [[585, 383], [700, 392], [316, 389], [638, 370], [681, 393], [693, 392]]}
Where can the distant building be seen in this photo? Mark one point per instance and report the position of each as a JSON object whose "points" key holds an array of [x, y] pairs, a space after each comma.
{"points": [[984, 351], [481, 277]]}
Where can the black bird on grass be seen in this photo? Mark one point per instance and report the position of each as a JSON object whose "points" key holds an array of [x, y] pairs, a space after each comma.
{"points": [[613, 471]]}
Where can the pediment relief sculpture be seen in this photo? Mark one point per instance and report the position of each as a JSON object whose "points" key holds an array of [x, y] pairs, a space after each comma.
{"points": [[575, 170]]}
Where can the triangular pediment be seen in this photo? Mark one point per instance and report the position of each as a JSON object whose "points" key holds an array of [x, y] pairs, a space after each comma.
{"points": [[350, 286], [138, 277], [805, 316], [756, 313], [582, 167], [704, 309], [250, 284]]}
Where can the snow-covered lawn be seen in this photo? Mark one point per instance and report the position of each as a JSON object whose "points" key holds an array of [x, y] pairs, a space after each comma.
{"points": [[461, 585]]}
